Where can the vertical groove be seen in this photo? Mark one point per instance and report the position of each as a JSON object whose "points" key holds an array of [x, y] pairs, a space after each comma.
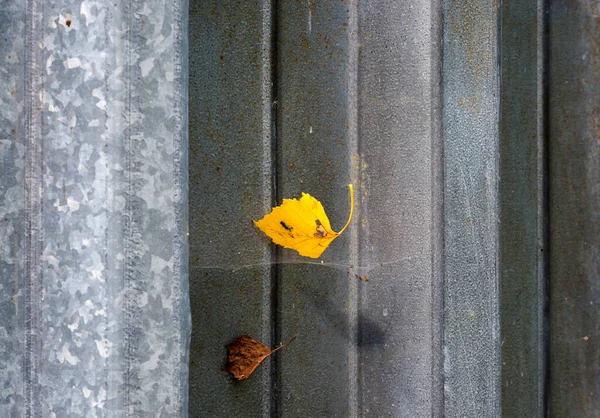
{"points": [[275, 197], [269, 316], [127, 231], [354, 139], [497, 321], [544, 204], [107, 203], [33, 233], [437, 224], [180, 201], [359, 219], [132, 280]]}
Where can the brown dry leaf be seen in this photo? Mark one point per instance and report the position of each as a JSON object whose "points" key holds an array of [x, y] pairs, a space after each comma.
{"points": [[246, 354]]}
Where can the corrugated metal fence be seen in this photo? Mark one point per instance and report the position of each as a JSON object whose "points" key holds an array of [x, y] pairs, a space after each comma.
{"points": [[470, 131], [466, 285]]}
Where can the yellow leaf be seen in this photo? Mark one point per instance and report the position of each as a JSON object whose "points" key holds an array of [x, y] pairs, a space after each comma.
{"points": [[302, 225]]}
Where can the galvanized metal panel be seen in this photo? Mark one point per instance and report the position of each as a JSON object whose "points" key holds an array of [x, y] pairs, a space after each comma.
{"points": [[13, 194], [574, 169], [94, 215]]}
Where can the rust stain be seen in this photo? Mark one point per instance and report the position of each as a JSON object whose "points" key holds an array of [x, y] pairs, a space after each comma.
{"points": [[470, 102], [68, 18], [304, 42], [474, 26]]}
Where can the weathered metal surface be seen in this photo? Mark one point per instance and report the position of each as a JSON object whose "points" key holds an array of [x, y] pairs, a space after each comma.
{"points": [[314, 148], [94, 281], [524, 211], [357, 99], [230, 185], [364, 347], [399, 154], [574, 170]]}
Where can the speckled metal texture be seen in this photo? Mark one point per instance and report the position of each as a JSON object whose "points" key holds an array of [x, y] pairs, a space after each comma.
{"points": [[574, 208], [398, 93], [315, 141], [230, 177], [471, 332], [357, 90], [13, 224], [94, 209], [307, 96]]}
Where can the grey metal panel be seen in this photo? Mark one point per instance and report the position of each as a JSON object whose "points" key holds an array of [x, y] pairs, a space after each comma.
{"points": [[230, 177], [399, 156], [315, 144], [574, 169], [523, 227], [471, 209], [358, 100], [99, 313]]}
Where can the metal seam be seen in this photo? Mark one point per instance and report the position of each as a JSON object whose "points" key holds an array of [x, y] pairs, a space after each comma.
{"points": [[33, 234], [179, 197], [275, 271], [354, 141]]}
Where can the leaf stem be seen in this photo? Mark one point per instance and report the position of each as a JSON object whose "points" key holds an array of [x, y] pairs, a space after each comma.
{"points": [[283, 345], [351, 208]]}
